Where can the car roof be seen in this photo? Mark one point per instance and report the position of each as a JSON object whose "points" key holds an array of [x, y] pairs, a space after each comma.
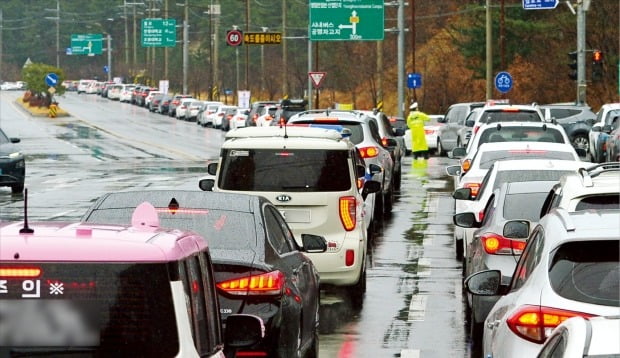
{"points": [[582, 225], [538, 164], [335, 115], [141, 241], [494, 146]]}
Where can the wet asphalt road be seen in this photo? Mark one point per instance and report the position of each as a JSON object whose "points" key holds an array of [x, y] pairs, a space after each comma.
{"points": [[413, 305]]}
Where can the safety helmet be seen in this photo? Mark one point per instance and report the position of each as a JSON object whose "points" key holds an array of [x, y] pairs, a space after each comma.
{"points": [[414, 105]]}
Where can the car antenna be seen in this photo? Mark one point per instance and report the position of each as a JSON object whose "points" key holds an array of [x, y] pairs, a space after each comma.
{"points": [[26, 229], [283, 124]]}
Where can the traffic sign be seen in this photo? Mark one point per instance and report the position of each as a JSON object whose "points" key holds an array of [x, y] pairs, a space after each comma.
{"points": [[106, 69], [86, 44], [503, 82], [333, 20], [234, 37], [540, 4], [159, 32], [69, 51], [51, 79], [262, 38], [414, 80], [317, 78]]}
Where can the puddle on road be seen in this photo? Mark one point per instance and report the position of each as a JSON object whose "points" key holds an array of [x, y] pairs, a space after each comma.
{"points": [[77, 131]]}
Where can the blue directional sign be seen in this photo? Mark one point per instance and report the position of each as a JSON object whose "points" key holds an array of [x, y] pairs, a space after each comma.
{"points": [[540, 4], [503, 82], [106, 69], [414, 80], [51, 79]]}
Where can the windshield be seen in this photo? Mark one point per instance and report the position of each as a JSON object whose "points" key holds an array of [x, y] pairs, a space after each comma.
{"points": [[521, 134], [284, 170], [510, 116], [94, 309]]}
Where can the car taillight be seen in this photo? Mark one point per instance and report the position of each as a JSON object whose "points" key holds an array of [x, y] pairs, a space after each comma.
{"points": [[476, 129], [360, 183], [347, 212], [498, 245], [429, 131], [466, 165], [535, 323], [369, 152], [270, 283], [475, 187]]}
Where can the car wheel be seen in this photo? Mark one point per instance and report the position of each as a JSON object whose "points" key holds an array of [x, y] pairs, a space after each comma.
{"points": [[440, 151], [17, 188], [378, 205], [388, 201], [356, 292], [475, 331], [580, 141], [458, 248], [398, 177]]}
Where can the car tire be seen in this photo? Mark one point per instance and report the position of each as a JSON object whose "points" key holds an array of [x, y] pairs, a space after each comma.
{"points": [[357, 291], [388, 201], [458, 249], [440, 151], [580, 141], [398, 177], [475, 331], [17, 188], [378, 205]]}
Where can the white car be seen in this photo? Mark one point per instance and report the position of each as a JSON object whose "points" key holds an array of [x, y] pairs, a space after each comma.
{"points": [[494, 113], [579, 337], [570, 267], [150, 96], [206, 116], [316, 180], [126, 93], [504, 171], [269, 116], [604, 116], [183, 107], [83, 85], [239, 119]]}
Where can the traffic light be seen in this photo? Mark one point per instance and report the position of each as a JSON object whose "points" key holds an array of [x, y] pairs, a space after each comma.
{"points": [[572, 56], [597, 65]]}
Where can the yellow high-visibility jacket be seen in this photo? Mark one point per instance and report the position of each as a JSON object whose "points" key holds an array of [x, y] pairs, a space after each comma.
{"points": [[415, 122]]}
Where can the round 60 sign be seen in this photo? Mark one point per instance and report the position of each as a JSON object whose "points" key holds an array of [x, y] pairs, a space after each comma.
{"points": [[234, 37]]}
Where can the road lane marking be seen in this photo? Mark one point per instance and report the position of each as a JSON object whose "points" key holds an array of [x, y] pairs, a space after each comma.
{"points": [[417, 308], [410, 353], [424, 267]]}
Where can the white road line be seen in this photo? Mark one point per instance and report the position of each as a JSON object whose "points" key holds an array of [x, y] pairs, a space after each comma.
{"points": [[64, 213], [417, 308], [424, 267], [410, 353]]}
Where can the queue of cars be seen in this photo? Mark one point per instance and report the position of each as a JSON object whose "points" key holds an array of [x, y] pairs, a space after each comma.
{"points": [[539, 234]]}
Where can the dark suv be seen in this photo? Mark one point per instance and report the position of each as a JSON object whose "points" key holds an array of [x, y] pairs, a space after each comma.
{"points": [[573, 118], [289, 107]]}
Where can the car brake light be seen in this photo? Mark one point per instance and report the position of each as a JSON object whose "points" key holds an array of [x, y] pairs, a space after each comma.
{"points": [[384, 141], [466, 165], [347, 212], [19, 272], [498, 245], [269, 283], [369, 152], [510, 110], [474, 187], [535, 323], [349, 258], [360, 183], [476, 129], [326, 120]]}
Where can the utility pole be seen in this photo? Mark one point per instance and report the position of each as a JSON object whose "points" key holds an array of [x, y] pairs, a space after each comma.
{"points": [[185, 46], [109, 50], [262, 62], [165, 48], [126, 32], [1, 25], [489, 54], [135, 48], [247, 48], [582, 7], [413, 31], [284, 52], [58, 33], [401, 58]]}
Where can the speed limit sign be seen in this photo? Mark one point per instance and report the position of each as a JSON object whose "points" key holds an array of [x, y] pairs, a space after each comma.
{"points": [[234, 37]]}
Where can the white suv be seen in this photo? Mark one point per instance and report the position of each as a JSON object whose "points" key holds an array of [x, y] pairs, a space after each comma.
{"points": [[317, 181], [595, 187]]}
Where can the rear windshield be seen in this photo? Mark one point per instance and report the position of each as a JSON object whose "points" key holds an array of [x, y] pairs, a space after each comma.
{"points": [[300, 170], [587, 271], [223, 229], [512, 176], [519, 206], [609, 201], [357, 131], [520, 134], [488, 158], [510, 116], [94, 310]]}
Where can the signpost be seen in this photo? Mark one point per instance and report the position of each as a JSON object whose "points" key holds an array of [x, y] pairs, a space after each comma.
{"points": [[159, 32], [262, 38], [540, 4], [341, 20], [234, 37], [86, 44], [503, 82], [414, 80]]}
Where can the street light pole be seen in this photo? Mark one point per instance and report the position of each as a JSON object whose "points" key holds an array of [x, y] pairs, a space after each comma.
{"points": [[58, 33], [185, 47], [262, 61], [109, 50]]}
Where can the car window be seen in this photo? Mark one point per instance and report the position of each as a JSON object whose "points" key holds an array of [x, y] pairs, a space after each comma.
{"points": [[275, 233], [510, 176], [587, 271], [107, 308], [509, 116], [213, 335], [529, 260], [300, 170], [194, 288], [374, 130], [520, 134], [519, 206], [611, 115], [608, 201], [489, 211], [3, 138]]}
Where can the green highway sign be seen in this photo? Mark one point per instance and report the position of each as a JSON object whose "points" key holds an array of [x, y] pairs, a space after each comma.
{"points": [[159, 32], [342, 20], [86, 44]]}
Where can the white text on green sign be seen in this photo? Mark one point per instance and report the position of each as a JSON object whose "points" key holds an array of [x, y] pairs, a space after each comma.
{"points": [[86, 44], [334, 20], [159, 32]]}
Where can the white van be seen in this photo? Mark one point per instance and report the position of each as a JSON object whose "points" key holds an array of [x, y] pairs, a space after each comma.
{"points": [[316, 178]]}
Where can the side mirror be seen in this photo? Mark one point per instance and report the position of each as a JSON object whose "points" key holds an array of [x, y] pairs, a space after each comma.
{"points": [[454, 170], [596, 129], [313, 243], [606, 128], [462, 194], [442, 120], [370, 186], [374, 169], [206, 184], [391, 143], [469, 123], [361, 171], [590, 121], [484, 283], [15, 140], [399, 132], [459, 152], [212, 168], [243, 330], [516, 229], [467, 220]]}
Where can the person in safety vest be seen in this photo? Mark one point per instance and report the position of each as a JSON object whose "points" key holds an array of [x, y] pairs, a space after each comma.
{"points": [[415, 122]]}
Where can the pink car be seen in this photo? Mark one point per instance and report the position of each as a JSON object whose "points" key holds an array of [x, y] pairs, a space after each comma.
{"points": [[106, 290]]}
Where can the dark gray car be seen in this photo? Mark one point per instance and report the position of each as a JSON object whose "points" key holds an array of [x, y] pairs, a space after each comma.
{"points": [[454, 132], [573, 118]]}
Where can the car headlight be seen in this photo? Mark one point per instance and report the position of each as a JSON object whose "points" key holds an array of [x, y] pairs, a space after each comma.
{"points": [[15, 155]]}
